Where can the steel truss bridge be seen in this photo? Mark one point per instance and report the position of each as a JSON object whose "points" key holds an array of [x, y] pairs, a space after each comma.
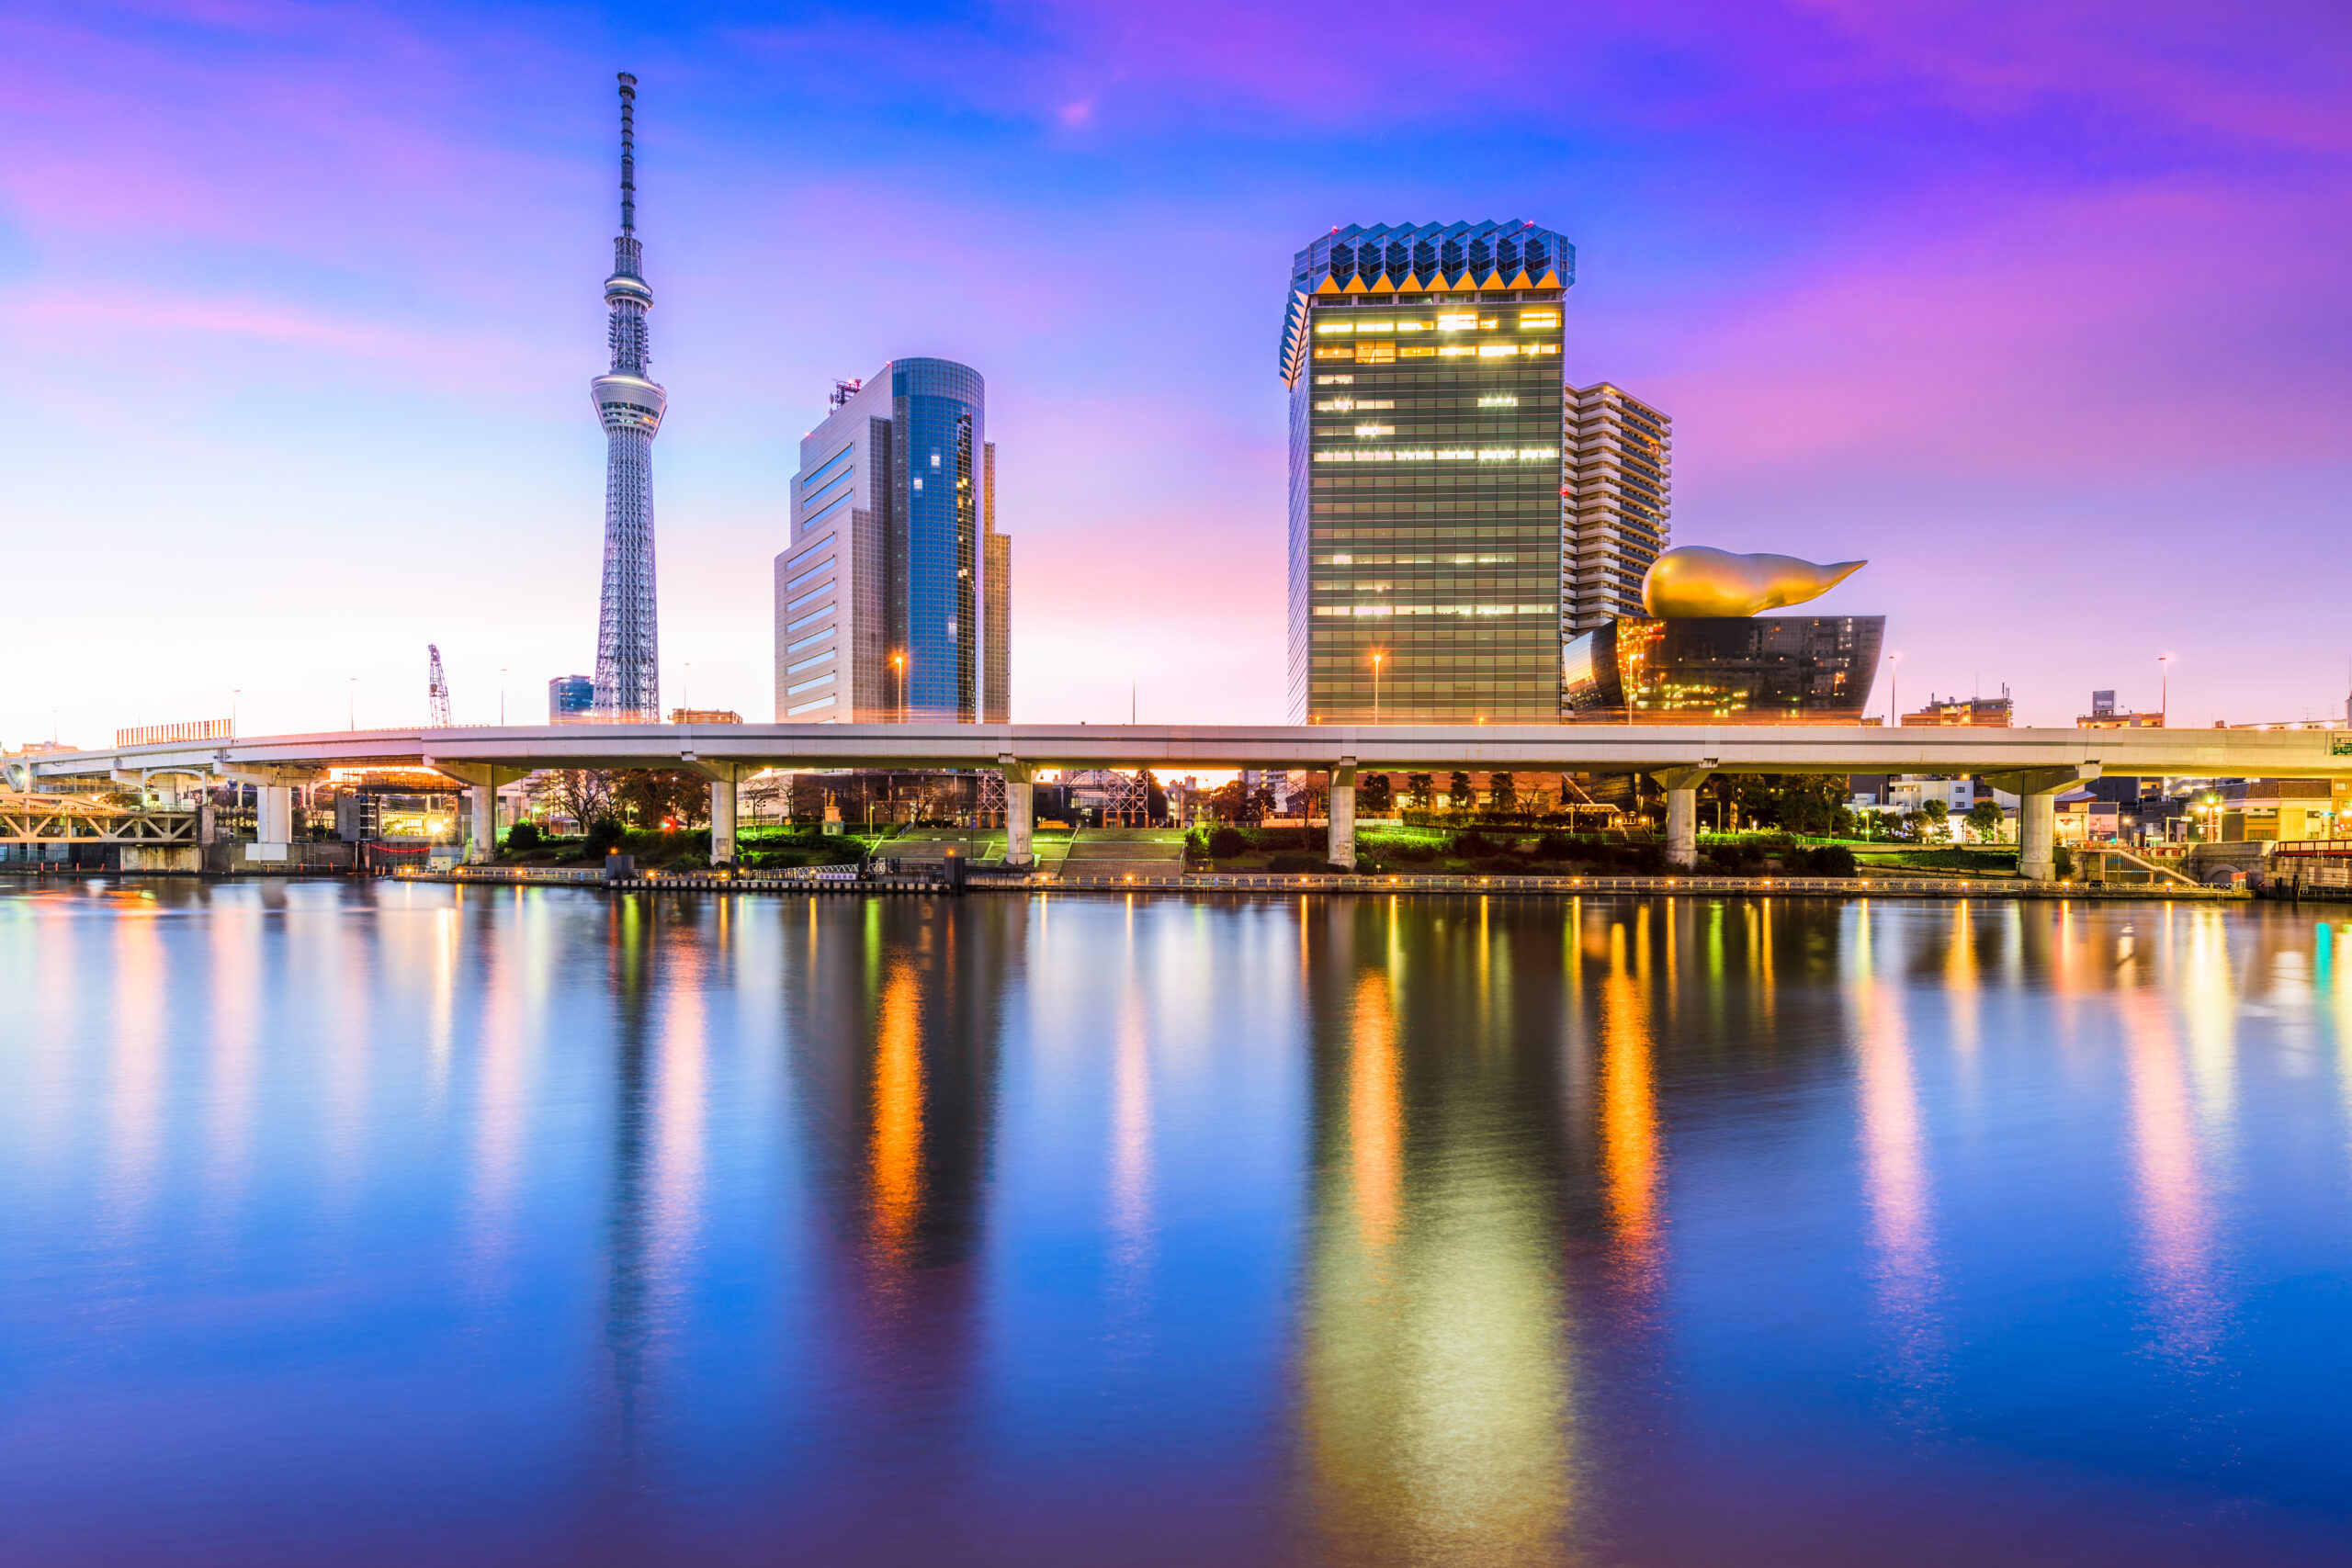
{"points": [[2036, 764], [76, 819]]}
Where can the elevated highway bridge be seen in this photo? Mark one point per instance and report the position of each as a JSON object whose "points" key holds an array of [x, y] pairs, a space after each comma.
{"points": [[2035, 764]]}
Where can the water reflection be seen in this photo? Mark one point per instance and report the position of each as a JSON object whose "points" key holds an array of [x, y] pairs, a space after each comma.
{"points": [[1628, 1102], [1434, 1347], [1894, 1160], [1413, 1230]]}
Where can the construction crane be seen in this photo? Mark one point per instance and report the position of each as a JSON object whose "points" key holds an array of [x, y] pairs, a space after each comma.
{"points": [[437, 691]]}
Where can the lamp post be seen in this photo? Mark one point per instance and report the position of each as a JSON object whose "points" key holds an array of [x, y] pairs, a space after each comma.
{"points": [[2163, 698], [355, 702], [1893, 706], [899, 667], [1376, 657]]}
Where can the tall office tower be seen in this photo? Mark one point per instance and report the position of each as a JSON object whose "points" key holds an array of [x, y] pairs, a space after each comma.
{"points": [[996, 683], [883, 599], [1619, 494], [628, 680], [1427, 480]]}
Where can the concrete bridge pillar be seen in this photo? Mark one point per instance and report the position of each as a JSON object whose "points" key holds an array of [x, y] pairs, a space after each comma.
{"points": [[1343, 815], [481, 822], [1681, 787], [722, 821], [1020, 812], [2038, 790], [274, 814], [2038, 837]]}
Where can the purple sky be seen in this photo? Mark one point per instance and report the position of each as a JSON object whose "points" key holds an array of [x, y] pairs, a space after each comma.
{"points": [[2049, 317]]}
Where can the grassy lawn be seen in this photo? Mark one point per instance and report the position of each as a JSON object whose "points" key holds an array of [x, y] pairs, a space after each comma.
{"points": [[1993, 860]]}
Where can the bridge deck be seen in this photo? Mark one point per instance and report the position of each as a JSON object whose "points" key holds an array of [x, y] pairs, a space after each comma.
{"points": [[1577, 748]]}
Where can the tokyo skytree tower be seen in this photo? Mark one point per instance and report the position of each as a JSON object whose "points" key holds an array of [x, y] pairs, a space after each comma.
{"points": [[628, 684]]}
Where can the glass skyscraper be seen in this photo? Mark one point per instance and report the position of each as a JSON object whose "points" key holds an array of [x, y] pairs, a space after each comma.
{"points": [[1426, 473], [884, 599]]}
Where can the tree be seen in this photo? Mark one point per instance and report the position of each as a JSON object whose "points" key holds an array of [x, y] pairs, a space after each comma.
{"points": [[1985, 821], [1939, 815], [584, 795], [1419, 790], [1457, 791], [1229, 802], [1502, 792], [654, 797], [1375, 794], [1263, 803]]}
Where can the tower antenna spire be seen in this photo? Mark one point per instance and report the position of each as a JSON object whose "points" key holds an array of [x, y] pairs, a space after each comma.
{"points": [[628, 153]]}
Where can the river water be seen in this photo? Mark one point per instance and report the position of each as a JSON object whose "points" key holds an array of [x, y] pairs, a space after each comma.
{"points": [[411, 1224]]}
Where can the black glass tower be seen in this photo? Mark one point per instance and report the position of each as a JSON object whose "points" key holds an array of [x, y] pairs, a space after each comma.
{"points": [[1744, 669]]}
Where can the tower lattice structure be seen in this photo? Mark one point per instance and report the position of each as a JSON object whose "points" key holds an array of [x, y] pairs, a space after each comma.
{"points": [[629, 687]]}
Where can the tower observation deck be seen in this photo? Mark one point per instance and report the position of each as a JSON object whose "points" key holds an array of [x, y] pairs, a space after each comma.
{"points": [[629, 687]]}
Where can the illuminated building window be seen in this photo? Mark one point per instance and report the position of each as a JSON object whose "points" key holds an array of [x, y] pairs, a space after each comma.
{"points": [[1528, 319], [1504, 401], [1452, 321], [1496, 350], [1335, 380], [1376, 353], [1416, 351], [1366, 431]]}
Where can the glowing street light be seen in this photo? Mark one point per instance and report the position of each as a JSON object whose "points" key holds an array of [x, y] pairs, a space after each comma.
{"points": [[1376, 658], [2164, 699], [899, 667]]}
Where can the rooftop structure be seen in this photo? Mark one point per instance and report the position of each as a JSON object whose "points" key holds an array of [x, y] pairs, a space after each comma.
{"points": [[1981, 712], [2105, 714], [628, 681]]}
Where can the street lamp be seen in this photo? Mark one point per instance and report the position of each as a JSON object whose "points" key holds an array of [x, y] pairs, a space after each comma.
{"points": [[2164, 699], [1376, 658], [899, 667], [1894, 706], [355, 702]]}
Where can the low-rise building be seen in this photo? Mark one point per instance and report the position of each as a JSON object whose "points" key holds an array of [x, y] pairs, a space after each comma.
{"points": [[1971, 713]]}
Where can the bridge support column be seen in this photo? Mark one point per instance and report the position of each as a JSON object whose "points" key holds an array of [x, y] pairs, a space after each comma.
{"points": [[274, 814], [481, 822], [722, 821], [1681, 787], [2037, 790], [1343, 815], [1020, 812]]}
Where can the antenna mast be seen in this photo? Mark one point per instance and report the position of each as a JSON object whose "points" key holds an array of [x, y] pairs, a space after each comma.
{"points": [[628, 153], [437, 691]]}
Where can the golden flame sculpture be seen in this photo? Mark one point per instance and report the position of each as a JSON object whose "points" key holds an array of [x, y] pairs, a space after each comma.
{"points": [[1694, 582]]}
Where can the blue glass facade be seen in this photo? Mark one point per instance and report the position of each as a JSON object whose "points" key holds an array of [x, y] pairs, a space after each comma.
{"points": [[938, 419], [571, 698]]}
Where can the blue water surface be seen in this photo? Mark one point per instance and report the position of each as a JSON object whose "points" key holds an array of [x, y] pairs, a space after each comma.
{"points": [[407, 1223]]}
